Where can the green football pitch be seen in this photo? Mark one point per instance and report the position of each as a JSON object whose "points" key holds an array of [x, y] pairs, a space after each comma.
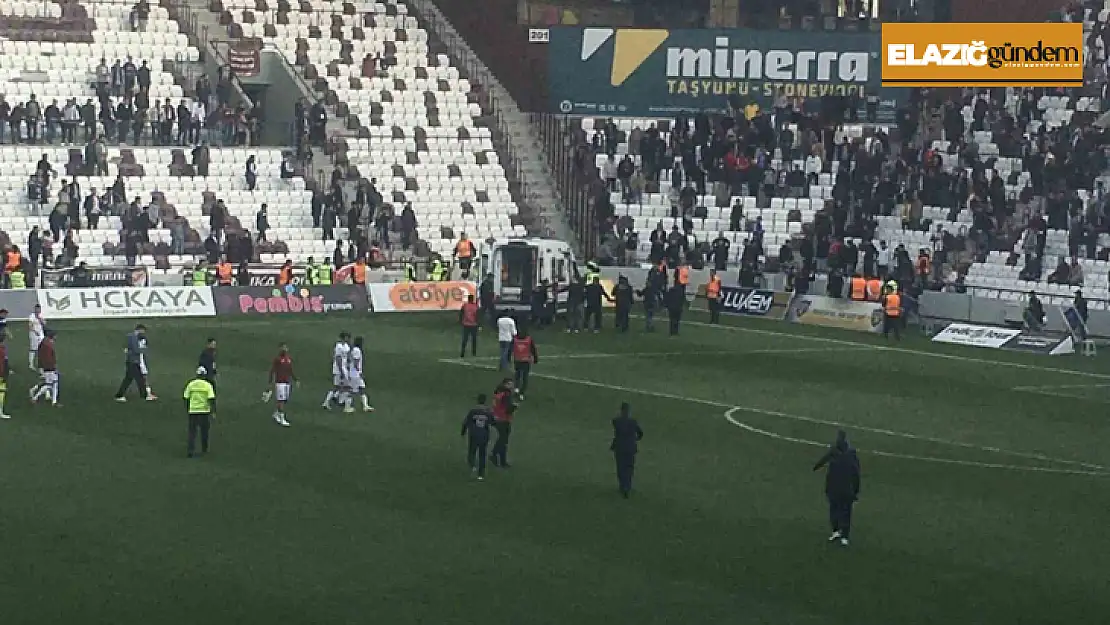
{"points": [[985, 491]]}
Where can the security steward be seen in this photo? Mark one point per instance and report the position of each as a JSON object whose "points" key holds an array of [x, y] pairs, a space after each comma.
{"points": [[477, 425], [842, 478], [207, 360], [435, 274], [503, 409], [200, 275], [200, 402], [626, 438], [285, 274], [623, 296], [469, 318], [464, 255], [857, 289], [682, 276], [892, 314], [17, 279], [713, 296], [593, 271], [524, 356], [224, 273], [323, 273], [874, 289], [594, 295], [675, 301], [310, 272]]}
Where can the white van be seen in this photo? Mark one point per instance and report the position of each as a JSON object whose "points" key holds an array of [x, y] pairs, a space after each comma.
{"points": [[519, 264]]}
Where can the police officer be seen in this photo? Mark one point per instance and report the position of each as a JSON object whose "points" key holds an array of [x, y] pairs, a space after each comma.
{"points": [[200, 403], [675, 301], [207, 360], [594, 294], [593, 271], [477, 424], [623, 295], [626, 437], [842, 477]]}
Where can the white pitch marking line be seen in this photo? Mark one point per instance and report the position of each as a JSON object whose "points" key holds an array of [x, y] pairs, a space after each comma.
{"points": [[901, 350], [1095, 468], [1058, 386], [886, 454], [689, 352]]}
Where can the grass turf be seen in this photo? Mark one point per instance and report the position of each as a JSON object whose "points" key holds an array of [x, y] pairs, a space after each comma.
{"points": [[374, 518]]}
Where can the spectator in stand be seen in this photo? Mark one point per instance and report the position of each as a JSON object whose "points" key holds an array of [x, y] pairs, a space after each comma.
{"points": [[408, 226], [34, 246], [70, 250], [1075, 273], [262, 223], [609, 172], [1061, 274], [251, 173], [1033, 315], [177, 235]]}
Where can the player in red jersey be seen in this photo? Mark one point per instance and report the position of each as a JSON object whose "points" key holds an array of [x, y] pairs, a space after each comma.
{"points": [[282, 378], [48, 364]]}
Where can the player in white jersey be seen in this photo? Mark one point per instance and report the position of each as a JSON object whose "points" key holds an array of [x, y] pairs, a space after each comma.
{"points": [[340, 368], [357, 382], [36, 331]]}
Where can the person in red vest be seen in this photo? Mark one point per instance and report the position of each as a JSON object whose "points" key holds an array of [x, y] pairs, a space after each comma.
{"points": [[468, 317], [524, 356], [503, 409]]}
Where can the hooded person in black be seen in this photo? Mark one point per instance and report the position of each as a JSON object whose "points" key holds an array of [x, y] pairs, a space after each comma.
{"points": [[623, 294], [842, 477], [626, 439]]}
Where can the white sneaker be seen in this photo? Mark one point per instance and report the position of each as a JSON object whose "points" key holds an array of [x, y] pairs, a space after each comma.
{"points": [[368, 408], [843, 542], [152, 398], [284, 422], [122, 400], [5, 415], [481, 479], [326, 405], [834, 537], [348, 409]]}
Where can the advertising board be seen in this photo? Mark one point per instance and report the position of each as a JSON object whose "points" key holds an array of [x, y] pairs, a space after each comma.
{"points": [[754, 302], [975, 335], [126, 302], [1040, 344], [658, 72], [419, 296], [93, 277], [304, 300], [830, 312]]}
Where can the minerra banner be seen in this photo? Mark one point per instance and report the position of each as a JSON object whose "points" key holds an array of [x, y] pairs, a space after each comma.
{"points": [[659, 72]]}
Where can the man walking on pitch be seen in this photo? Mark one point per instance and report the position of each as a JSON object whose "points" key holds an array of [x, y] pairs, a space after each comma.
{"points": [[281, 378], [134, 367], [36, 331], [48, 364], [477, 424], [469, 318], [503, 409], [200, 403], [5, 372], [842, 477], [506, 332], [207, 360], [626, 438], [524, 356]]}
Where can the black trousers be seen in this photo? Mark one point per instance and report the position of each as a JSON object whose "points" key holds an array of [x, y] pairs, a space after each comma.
{"points": [[476, 453], [132, 374], [626, 467], [840, 515], [622, 319], [469, 334], [674, 316], [595, 313], [521, 377], [714, 311], [501, 445], [200, 422], [892, 324]]}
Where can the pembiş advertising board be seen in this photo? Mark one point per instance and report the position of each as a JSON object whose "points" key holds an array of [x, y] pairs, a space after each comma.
{"points": [[126, 302], [754, 302], [829, 312], [975, 335], [658, 72], [419, 296], [305, 300]]}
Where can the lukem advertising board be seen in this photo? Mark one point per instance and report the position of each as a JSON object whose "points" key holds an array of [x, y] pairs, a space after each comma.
{"points": [[127, 302], [420, 296], [753, 302]]}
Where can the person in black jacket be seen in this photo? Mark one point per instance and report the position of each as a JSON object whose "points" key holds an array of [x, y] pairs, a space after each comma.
{"points": [[675, 301], [208, 360], [650, 296], [626, 437], [594, 293], [623, 295], [576, 295], [477, 424], [842, 477]]}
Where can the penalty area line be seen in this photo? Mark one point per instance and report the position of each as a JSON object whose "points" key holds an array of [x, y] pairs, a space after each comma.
{"points": [[1085, 468]]}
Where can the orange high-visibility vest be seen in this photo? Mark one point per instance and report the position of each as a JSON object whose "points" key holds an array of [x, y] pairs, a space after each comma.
{"points": [[285, 276], [223, 270], [713, 289], [683, 275], [859, 289], [892, 305], [874, 290], [13, 261], [462, 248]]}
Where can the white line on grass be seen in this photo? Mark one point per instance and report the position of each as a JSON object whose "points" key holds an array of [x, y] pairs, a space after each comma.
{"points": [[1059, 386], [689, 352], [1092, 469], [900, 350]]}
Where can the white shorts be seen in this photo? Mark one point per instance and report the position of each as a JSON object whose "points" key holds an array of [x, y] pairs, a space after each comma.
{"points": [[355, 382], [34, 342], [281, 391], [50, 377]]}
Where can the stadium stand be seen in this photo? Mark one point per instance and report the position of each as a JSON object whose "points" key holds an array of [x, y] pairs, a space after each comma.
{"points": [[415, 118]]}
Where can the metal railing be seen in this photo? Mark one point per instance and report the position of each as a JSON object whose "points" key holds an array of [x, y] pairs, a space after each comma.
{"points": [[575, 185]]}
